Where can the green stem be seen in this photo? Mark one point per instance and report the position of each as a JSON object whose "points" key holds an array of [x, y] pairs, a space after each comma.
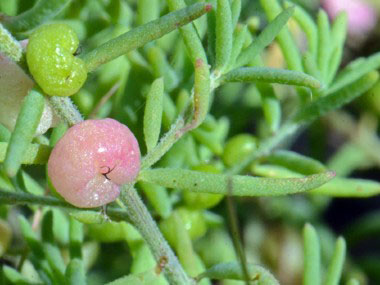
{"points": [[143, 34], [9, 45], [142, 220], [66, 109], [171, 137]]}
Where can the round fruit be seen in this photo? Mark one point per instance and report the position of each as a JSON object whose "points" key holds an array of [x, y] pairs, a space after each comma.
{"points": [[51, 60], [238, 148], [91, 161]]}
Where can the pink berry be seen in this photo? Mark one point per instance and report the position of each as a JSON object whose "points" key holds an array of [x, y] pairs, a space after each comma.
{"points": [[362, 16], [91, 161]]}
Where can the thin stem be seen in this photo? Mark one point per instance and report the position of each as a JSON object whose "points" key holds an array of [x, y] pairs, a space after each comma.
{"points": [[171, 137], [142, 220], [9, 45], [236, 238], [66, 109]]}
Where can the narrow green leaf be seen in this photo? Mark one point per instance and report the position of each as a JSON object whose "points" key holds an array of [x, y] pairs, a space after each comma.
{"points": [[31, 185], [202, 89], [41, 12], [89, 217], [57, 133], [14, 276], [143, 34], [224, 31], [189, 33], [147, 10], [288, 47], [337, 99], [34, 154], [209, 139], [235, 12], [349, 187], [324, 43], [75, 274], [348, 157], [145, 278], [169, 111], [296, 162], [47, 227], [232, 270], [338, 36], [30, 237], [9, 7], [161, 67], [5, 134], [55, 260], [183, 245], [159, 198], [354, 71], [265, 38], [239, 37], [271, 106], [153, 113], [310, 65], [274, 171], [24, 131], [312, 258], [271, 75], [335, 269], [211, 33], [241, 185], [307, 24], [76, 238]]}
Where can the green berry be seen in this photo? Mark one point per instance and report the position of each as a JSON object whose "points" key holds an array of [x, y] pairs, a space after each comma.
{"points": [[238, 148], [51, 60], [202, 200], [193, 221]]}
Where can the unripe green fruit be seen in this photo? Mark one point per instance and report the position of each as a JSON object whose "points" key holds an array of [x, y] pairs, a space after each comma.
{"points": [[51, 60], [192, 220], [238, 148], [202, 200]]}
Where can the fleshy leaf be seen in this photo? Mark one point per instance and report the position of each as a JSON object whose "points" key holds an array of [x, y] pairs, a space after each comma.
{"points": [[236, 185], [232, 270]]}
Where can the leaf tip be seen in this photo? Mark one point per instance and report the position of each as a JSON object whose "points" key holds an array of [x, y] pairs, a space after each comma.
{"points": [[198, 63], [290, 10], [331, 174], [208, 7]]}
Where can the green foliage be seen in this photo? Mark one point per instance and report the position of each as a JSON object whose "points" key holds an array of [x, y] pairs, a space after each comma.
{"points": [[217, 121], [25, 129]]}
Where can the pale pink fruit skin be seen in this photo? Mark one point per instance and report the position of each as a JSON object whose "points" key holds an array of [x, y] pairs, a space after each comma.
{"points": [[88, 150], [362, 16]]}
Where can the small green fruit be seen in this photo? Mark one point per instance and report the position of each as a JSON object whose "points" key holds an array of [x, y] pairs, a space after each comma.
{"points": [[51, 60], [192, 220], [238, 148]]}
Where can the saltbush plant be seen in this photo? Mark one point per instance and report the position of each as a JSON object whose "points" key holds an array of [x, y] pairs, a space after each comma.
{"points": [[192, 81]]}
